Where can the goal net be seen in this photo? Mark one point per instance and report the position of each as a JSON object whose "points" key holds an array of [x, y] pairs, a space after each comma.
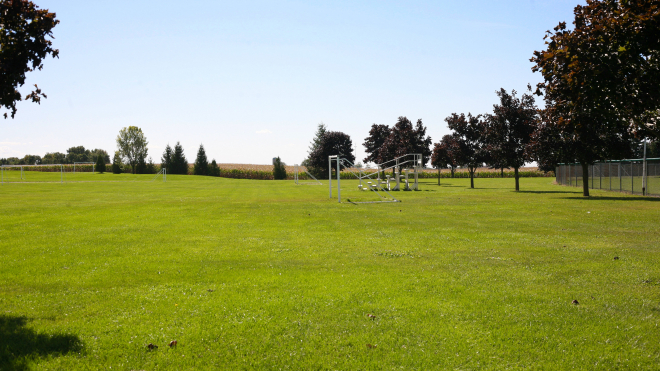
{"points": [[305, 177], [32, 173]]}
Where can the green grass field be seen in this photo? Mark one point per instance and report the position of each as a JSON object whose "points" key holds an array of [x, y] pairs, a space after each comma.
{"points": [[268, 275]]}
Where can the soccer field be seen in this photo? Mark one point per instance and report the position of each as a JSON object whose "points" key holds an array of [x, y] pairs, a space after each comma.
{"points": [[248, 274]]}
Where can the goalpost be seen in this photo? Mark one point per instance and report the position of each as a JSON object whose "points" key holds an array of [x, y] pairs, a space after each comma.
{"points": [[5, 171], [162, 171], [296, 170]]}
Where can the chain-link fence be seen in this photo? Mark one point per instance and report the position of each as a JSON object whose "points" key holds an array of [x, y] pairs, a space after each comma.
{"points": [[622, 176]]}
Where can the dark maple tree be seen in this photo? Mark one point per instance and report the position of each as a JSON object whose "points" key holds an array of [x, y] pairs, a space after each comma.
{"points": [[378, 134], [446, 155], [405, 139], [509, 129], [469, 132], [600, 78], [25, 42]]}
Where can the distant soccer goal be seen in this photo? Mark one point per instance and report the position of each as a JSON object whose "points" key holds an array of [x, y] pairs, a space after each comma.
{"points": [[162, 172], [32, 173], [311, 180]]}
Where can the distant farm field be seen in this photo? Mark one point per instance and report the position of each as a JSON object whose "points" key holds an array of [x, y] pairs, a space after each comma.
{"points": [[259, 274]]}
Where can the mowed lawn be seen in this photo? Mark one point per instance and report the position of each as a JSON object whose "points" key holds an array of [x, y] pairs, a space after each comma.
{"points": [[269, 275]]}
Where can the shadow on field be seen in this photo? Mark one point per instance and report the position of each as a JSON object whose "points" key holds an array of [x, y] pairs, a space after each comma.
{"points": [[19, 344], [601, 198], [541, 192]]}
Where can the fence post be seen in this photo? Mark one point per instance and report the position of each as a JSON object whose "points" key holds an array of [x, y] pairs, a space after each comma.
{"points": [[620, 186], [644, 171], [610, 174], [632, 179]]}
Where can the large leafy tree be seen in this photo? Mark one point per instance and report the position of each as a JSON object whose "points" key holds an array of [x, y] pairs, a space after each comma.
{"points": [[332, 143], [601, 77], [378, 134], [469, 133], [24, 39], [406, 139], [509, 130], [201, 166], [132, 145]]}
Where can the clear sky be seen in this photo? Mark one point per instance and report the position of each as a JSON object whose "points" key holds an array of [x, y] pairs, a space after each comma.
{"points": [[251, 80]]}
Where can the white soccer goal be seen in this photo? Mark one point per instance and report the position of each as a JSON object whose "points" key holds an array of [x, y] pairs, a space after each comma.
{"points": [[39, 173], [296, 171], [81, 164], [162, 172]]}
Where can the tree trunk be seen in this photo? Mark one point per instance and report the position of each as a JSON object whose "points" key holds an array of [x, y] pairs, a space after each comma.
{"points": [[471, 178], [515, 171], [438, 176], [452, 172], [585, 179], [502, 172]]}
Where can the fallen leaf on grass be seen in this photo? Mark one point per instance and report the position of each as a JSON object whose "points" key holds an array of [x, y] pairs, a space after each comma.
{"points": [[173, 343], [152, 347], [371, 346]]}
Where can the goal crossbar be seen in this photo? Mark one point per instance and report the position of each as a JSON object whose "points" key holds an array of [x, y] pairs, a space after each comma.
{"points": [[3, 167]]}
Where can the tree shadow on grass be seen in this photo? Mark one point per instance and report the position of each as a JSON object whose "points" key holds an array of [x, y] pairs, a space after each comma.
{"points": [[560, 192], [20, 344], [602, 198]]}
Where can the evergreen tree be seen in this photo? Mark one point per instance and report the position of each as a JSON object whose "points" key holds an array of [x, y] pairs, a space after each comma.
{"points": [[179, 161], [279, 169], [201, 166], [116, 163], [100, 164], [214, 170], [166, 160], [318, 137]]}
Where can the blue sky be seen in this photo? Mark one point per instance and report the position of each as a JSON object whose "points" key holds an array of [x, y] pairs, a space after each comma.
{"points": [[252, 79]]}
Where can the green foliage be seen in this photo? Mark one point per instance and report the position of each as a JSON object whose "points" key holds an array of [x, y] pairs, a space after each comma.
{"points": [[214, 170], [100, 164], [132, 145], [166, 162], [332, 143], [116, 163], [179, 162], [279, 169], [25, 44], [201, 166], [254, 275]]}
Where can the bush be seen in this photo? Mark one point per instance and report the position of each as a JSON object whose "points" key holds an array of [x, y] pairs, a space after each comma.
{"points": [[279, 169]]}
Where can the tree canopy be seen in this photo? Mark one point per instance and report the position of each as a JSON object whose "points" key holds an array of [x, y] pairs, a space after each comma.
{"points": [[446, 154], [384, 143], [179, 162], [132, 145], [201, 166], [508, 130], [25, 43], [600, 78], [469, 135], [332, 143]]}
